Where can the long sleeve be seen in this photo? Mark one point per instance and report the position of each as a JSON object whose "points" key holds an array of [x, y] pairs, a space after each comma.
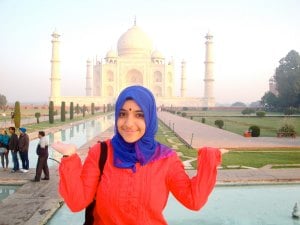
{"points": [[193, 193], [78, 183]]}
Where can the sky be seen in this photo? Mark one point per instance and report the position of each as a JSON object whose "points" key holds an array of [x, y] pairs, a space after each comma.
{"points": [[250, 37]]}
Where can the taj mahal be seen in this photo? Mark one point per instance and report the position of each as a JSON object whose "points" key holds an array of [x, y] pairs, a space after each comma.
{"points": [[134, 63]]}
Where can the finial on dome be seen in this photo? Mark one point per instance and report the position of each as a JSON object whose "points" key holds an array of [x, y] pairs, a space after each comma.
{"points": [[134, 23]]}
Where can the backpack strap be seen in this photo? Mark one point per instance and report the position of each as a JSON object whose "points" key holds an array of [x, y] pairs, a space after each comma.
{"points": [[103, 156], [89, 217]]}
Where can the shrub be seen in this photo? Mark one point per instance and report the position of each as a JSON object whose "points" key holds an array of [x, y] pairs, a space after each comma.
{"points": [[37, 116], [260, 113], [51, 112], [63, 112], [255, 131], [287, 128], [77, 110], [203, 120], [17, 114], [290, 111], [247, 111], [178, 112], [83, 111], [71, 110], [183, 114], [219, 123], [93, 108]]}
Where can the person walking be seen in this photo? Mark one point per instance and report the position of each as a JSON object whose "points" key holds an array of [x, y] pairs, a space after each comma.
{"points": [[13, 146], [139, 173], [4, 140], [42, 152], [23, 149]]}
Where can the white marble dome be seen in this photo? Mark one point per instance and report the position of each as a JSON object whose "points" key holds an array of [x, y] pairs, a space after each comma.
{"points": [[111, 54], [134, 42]]}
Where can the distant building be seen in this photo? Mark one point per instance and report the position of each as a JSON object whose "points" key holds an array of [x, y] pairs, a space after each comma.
{"points": [[134, 63]]}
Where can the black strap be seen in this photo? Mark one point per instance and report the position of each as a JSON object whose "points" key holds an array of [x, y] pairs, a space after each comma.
{"points": [[89, 218], [103, 157]]}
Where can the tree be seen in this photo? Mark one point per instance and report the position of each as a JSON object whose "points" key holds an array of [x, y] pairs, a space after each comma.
{"points": [[238, 104], [83, 110], [270, 101], [77, 109], [3, 101], [287, 77], [17, 114], [51, 112], [63, 112], [93, 108], [71, 110], [37, 116]]}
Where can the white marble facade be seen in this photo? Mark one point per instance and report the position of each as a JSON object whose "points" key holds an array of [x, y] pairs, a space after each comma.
{"points": [[135, 62]]}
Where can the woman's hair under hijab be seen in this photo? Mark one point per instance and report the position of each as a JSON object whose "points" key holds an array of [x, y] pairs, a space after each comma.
{"points": [[127, 154]]}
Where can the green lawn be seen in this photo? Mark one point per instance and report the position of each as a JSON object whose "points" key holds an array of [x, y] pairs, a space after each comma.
{"points": [[268, 125], [258, 159], [235, 122]]}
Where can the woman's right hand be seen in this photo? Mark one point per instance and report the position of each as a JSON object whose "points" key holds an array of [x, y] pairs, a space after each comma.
{"points": [[64, 149]]}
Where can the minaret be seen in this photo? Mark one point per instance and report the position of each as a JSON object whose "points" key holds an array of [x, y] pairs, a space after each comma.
{"points": [[209, 100], [183, 79], [55, 70], [273, 86], [89, 77]]}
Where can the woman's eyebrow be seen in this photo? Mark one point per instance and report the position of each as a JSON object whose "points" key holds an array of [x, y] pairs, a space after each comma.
{"points": [[125, 110]]}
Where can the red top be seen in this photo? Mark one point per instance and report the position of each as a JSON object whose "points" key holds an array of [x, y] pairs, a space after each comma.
{"points": [[124, 197]]}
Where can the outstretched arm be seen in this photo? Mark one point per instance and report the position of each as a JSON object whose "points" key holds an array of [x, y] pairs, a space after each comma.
{"points": [[78, 183], [193, 192]]}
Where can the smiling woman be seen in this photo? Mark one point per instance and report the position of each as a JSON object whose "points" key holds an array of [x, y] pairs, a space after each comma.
{"points": [[130, 123], [139, 173]]}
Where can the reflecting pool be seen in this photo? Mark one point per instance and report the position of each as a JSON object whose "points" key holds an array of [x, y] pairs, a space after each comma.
{"points": [[77, 134], [227, 205], [6, 190]]}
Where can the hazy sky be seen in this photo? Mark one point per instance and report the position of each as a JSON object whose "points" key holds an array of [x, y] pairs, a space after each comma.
{"points": [[250, 37]]}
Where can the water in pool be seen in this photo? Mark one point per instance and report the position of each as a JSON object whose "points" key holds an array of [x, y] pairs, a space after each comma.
{"points": [[78, 134], [227, 205], [6, 190]]}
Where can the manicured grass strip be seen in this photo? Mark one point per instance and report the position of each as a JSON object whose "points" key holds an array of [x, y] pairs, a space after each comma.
{"points": [[260, 159], [286, 167]]}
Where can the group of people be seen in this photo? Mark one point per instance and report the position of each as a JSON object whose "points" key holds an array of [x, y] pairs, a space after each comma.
{"points": [[16, 144], [19, 146]]}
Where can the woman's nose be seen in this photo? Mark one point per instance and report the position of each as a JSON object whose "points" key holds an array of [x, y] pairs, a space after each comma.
{"points": [[129, 121]]}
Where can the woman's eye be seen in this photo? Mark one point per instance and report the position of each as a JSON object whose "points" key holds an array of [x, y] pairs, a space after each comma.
{"points": [[122, 114], [140, 115]]}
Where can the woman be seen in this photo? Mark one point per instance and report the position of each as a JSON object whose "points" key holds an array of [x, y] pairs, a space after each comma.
{"points": [[4, 140], [139, 172]]}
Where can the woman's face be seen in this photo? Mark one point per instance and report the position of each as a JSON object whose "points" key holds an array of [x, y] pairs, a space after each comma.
{"points": [[131, 123]]}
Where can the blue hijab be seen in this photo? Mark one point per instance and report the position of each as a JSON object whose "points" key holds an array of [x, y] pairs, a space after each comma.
{"points": [[126, 155]]}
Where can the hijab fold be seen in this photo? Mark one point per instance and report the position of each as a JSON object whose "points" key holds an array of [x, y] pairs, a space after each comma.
{"points": [[145, 150]]}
